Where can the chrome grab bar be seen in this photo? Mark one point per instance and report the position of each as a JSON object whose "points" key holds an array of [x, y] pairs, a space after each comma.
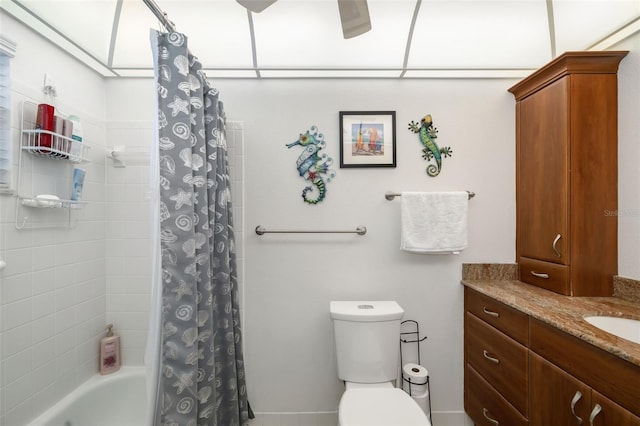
{"points": [[360, 230]]}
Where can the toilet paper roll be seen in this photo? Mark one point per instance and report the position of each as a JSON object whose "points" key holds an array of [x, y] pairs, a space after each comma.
{"points": [[414, 379], [423, 401], [416, 373]]}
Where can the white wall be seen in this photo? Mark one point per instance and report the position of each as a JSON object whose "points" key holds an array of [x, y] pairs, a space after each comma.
{"points": [[52, 292], [291, 279], [629, 159]]}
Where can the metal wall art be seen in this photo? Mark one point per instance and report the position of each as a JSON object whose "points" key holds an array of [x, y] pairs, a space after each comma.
{"points": [[428, 135], [312, 165]]}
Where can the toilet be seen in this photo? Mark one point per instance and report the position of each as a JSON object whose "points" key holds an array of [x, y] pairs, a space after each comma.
{"points": [[367, 339]]}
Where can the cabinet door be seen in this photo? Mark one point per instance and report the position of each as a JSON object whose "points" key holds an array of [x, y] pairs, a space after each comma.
{"points": [[543, 174], [557, 398], [607, 413]]}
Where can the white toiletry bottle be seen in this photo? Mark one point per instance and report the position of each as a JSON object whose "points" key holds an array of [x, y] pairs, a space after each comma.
{"points": [[75, 150], [109, 352]]}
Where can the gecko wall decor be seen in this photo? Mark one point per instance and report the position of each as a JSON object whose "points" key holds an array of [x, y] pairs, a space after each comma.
{"points": [[428, 135], [312, 165]]}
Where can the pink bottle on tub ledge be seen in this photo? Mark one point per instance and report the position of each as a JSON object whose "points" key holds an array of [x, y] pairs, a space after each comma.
{"points": [[109, 352]]}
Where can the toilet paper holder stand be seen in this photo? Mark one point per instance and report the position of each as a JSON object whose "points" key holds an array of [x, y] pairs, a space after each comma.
{"points": [[413, 337]]}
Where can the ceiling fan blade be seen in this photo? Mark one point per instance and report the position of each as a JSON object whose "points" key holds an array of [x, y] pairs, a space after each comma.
{"points": [[256, 6], [354, 15]]}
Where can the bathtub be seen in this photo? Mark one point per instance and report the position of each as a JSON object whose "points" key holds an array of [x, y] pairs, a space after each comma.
{"points": [[118, 399]]}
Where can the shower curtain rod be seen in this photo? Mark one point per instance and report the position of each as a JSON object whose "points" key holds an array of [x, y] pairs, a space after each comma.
{"points": [[162, 16]]}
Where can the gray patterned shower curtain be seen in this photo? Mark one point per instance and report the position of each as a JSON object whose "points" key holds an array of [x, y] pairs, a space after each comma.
{"points": [[200, 373]]}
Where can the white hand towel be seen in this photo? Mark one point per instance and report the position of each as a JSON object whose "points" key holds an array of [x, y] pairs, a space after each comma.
{"points": [[434, 222]]}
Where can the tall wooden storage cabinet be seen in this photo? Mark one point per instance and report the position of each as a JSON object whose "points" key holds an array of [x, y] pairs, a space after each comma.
{"points": [[567, 174]]}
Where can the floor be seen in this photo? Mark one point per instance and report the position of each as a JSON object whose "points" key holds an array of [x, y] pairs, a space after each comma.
{"points": [[295, 419]]}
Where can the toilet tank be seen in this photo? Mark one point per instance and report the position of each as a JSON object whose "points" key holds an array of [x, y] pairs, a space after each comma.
{"points": [[367, 337]]}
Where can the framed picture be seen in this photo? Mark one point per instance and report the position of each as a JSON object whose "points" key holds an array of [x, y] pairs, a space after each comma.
{"points": [[367, 139]]}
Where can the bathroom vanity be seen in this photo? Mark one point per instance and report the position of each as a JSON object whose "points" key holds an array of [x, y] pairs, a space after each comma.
{"points": [[531, 359]]}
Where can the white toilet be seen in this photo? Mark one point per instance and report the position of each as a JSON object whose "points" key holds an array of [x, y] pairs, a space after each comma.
{"points": [[367, 340]]}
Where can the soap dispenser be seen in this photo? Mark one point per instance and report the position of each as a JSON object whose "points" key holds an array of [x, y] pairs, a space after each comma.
{"points": [[109, 352]]}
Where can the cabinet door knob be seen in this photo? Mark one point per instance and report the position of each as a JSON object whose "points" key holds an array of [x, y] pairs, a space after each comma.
{"points": [[574, 401], [490, 358], [485, 413], [540, 275], [488, 312], [555, 244], [596, 410]]}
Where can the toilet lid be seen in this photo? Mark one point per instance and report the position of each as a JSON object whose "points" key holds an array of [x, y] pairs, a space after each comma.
{"points": [[380, 407]]}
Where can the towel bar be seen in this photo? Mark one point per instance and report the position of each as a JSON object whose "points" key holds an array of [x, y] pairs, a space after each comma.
{"points": [[360, 230], [391, 195]]}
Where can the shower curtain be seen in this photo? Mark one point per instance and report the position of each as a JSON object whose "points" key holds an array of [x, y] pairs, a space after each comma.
{"points": [[196, 355]]}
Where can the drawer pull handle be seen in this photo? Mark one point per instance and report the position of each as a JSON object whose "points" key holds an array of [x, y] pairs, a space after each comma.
{"points": [[574, 401], [596, 410], [555, 244], [540, 275], [485, 413], [488, 312], [490, 358]]}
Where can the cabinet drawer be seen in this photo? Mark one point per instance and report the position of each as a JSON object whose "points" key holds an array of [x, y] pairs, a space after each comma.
{"points": [[499, 359], [483, 404], [547, 275], [506, 319]]}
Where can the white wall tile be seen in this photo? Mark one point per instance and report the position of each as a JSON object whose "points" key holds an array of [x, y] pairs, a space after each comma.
{"points": [[65, 319], [15, 340], [16, 392], [18, 261], [15, 314], [16, 366], [65, 342], [18, 415], [44, 375], [50, 258], [42, 282], [44, 396], [65, 363], [43, 352], [65, 297], [15, 287]]}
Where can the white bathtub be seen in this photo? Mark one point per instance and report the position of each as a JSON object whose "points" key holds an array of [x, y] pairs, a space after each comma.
{"points": [[118, 399]]}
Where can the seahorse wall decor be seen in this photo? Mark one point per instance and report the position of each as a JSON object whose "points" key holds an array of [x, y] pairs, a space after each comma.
{"points": [[312, 165], [428, 134]]}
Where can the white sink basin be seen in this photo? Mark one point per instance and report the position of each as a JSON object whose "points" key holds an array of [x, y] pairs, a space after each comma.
{"points": [[625, 328]]}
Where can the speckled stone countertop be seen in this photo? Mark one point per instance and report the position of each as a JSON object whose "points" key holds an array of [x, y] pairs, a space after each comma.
{"points": [[563, 312]]}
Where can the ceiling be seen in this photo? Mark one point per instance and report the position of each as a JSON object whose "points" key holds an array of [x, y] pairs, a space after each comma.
{"points": [[303, 38]]}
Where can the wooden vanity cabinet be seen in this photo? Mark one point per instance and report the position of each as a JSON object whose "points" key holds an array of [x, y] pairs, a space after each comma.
{"points": [[559, 398], [539, 372], [601, 377], [566, 174], [496, 362]]}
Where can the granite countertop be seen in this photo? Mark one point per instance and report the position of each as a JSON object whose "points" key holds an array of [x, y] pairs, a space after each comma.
{"points": [[564, 312]]}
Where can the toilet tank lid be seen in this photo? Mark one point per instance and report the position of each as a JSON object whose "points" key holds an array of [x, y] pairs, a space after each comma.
{"points": [[365, 311]]}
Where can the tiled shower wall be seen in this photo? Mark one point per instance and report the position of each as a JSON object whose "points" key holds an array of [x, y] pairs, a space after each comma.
{"points": [[127, 253], [128, 262], [52, 292]]}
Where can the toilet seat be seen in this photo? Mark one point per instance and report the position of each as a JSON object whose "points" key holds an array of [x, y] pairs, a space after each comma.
{"points": [[380, 407]]}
